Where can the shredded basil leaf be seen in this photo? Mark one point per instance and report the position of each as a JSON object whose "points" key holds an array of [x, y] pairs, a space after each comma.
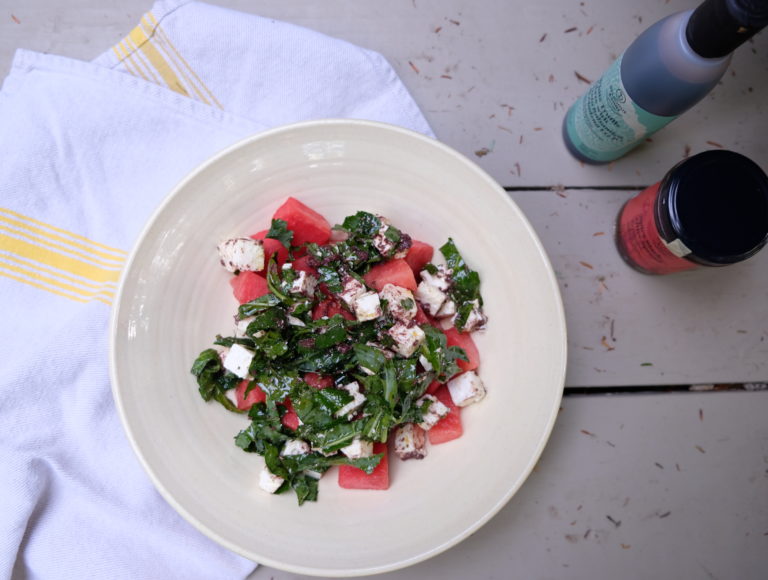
{"points": [[279, 231]]}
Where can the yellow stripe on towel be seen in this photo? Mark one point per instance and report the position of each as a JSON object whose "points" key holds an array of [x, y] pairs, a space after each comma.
{"points": [[164, 41], [149, 53], [53, 259], [148, 49]]}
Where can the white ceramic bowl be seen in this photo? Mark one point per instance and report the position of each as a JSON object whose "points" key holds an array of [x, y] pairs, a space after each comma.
{"points": [[174, 298]]}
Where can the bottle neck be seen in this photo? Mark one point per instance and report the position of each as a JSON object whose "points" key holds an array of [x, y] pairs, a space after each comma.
{"points": [[717, 27]]}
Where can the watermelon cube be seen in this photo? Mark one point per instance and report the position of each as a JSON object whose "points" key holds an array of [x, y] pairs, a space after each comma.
{"points": [[449, 427], [306, 224], [255, 395], [354, 478], [271, 247], [419, 255], [290, 419], [302, 265], [464, 340], [433, 386], [396, 272], [318, 381], [329, 308], [247, 286]]}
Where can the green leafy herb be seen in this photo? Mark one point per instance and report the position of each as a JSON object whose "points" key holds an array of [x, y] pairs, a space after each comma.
{"points": [[280, 232], [362, 224], [440, 356], [466, 282]]}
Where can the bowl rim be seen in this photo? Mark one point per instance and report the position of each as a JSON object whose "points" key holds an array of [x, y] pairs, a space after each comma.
{"points": [[562, 350]]}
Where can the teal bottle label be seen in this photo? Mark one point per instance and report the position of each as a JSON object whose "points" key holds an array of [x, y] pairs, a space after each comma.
{"points": [[605, 123]]}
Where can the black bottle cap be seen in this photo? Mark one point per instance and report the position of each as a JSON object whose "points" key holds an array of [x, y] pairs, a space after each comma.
{"points": [[715, 204], [717, 27]]}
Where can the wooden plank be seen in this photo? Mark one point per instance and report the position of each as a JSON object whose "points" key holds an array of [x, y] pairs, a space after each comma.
{"points": [[631, 487], [494, 77], [626, 328]]}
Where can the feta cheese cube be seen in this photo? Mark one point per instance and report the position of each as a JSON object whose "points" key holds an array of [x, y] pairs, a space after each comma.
{"points": [[367, 306], [242, 325], [465, 389], [475, 320], [430, 297], [295, 447], [237, 360], [352, 288], [410, 442], [268, 481], [358, 449], [440, 279], [434, 413], [242, 254], [407, 338], [382, 243], [425, 363], [357, 401], [447, 309], [400, 302], [304, 284]]}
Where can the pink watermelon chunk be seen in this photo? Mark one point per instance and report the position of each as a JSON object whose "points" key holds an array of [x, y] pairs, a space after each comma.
{"points": [[464, 340], [248, 286], [290, 419], [449, 427], [318, 381], [328, 308], [354, 478], [302, 265], [419, 255], [306, 224], [271, 247], [255, 395], [433, 386], [396, 272]]}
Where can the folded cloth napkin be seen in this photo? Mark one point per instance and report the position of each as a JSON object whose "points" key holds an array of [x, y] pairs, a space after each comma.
{"points": [[88, 151]]}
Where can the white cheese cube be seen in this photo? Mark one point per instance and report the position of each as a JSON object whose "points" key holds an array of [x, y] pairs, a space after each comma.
{"points": [[425, 363], [242, 325], [358, 449], [440, 280], [400, 302], [382, 243], [352, 288], [295, 447], [436, 411], [304, 284], [242, 254], [465, 389], [367, 306], [357, 401], [430, 297], [447, 309], [410, 442], [237, 360], [268, 481], [407, 338], [476, 319]]}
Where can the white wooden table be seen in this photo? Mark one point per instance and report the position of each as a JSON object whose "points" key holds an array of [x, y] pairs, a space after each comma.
{"points": [[640, 484]]}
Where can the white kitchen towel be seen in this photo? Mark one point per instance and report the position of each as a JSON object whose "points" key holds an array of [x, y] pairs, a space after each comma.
{"points": [[87, 151]]}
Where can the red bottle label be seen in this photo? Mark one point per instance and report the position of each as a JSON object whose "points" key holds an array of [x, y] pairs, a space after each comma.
{"points": [[639, 240]]}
